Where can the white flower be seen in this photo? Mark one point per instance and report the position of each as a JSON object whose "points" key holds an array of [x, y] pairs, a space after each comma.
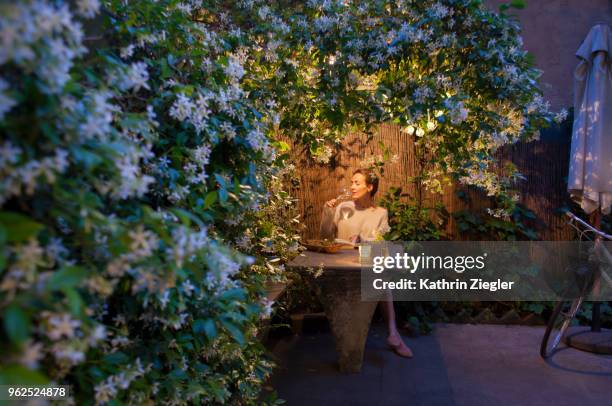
{"points": [[137, 76], [201, 155], [188, 287], [54, 67], [62, 326], [72, 357], [244, 242], [323, 154], [29, 256], [457, 111], [420, 132], [258, 141], [151, 116], [184, 8], [431, 126], [459, 115], [181, 108], [98, 334], [221, 268], [31, 354], [9, 154], [408, 130], [127, 52], [88, 8], [439, 11], [55, 250], [105, 392], [263, 12], [266, 307], [561, 116], [131, 182], [228, 130], [164, 299], [234, 69], [143, 242], [422, 93], [98, 122]]}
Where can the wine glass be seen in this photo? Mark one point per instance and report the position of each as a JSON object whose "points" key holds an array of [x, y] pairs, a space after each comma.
{"points": [[345, 194]]}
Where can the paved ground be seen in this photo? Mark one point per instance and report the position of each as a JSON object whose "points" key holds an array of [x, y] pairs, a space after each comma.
{"points": [[456, 365]]}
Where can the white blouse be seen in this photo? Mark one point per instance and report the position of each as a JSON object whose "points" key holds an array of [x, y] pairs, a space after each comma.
{"points": [[366, 223]]}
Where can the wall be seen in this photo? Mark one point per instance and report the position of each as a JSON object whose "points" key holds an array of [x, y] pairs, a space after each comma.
{"points": [[552, 31]]}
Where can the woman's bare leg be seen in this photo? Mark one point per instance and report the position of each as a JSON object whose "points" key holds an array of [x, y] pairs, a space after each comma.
{"points": [[394, 339], [389, 315]]}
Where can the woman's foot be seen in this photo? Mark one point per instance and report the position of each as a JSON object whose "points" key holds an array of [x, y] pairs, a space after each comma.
{"points": [[397, 345]]}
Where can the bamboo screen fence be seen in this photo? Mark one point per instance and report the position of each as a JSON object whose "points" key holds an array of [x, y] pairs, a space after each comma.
{"points": [[544, 163]]}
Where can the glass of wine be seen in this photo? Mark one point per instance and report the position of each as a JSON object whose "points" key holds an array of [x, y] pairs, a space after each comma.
{"points": [[344, 194]]}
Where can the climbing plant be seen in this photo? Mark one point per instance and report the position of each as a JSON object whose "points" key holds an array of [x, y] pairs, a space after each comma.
{"points": [[140, 208]]}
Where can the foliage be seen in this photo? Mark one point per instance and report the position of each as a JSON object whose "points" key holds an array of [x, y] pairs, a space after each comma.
{"points": [[452, 74], [275, 227], [410, 221], [376, 163], [130, 170], [496, 225]]}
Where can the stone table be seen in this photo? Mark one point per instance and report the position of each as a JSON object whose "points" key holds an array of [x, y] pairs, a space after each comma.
{"points": [[339, 289]]}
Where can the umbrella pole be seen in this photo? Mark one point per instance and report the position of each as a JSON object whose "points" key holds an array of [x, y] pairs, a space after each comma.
{"points": [[596, 312]]}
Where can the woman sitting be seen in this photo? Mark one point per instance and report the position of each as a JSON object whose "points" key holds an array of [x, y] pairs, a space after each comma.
{"points": [[360, 220]]}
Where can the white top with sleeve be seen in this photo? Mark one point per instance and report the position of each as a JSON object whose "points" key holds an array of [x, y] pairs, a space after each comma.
{"points": [[366, 223]]}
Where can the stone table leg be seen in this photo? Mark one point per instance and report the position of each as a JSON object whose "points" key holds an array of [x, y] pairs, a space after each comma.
{"points": [[348, 315]]}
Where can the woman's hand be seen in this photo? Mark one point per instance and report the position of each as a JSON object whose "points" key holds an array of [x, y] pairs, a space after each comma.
{"points": [[331, 203]]}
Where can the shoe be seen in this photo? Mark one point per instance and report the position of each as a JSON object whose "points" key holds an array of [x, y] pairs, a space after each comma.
{"points": [[400, 349]]}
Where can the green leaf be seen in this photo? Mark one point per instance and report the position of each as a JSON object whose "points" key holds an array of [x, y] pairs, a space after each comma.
{"points": [[283, 146], [518, 4], [234, 330], [87, 158], [223, 196], [187, 217], [75, 302], [179, 374], [221, 181], [207, 327], [19, 228], [97, 373], [536, 308], [2, 236], [67, 277], [116, 358], [19, 375], [16, 323], [198, 326], [233, 294], [210, 199]]}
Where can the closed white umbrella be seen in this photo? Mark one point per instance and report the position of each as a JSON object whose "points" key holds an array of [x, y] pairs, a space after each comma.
{"points": [[590, 171]]}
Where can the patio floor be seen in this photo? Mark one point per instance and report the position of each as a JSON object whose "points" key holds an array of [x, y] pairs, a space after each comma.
{"points": [[458, 364]]}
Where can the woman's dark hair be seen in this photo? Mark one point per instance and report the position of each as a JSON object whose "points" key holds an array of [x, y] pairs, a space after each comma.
{"points": [[370, 178]]}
